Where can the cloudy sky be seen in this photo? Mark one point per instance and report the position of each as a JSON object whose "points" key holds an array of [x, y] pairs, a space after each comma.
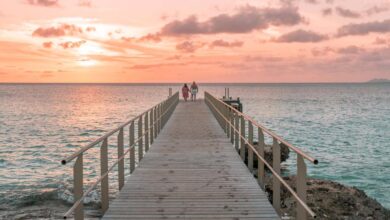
{"points": [[206, 41]]}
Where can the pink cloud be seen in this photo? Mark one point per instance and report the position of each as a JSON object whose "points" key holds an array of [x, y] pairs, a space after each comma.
{"points": [[380, 40], [312, 1], [321, 51], [222, 43], [301, 36], [364, 28], [247, 19], [347, 13], [327, 11], [378, 9], [350, 50], [189, 46]]}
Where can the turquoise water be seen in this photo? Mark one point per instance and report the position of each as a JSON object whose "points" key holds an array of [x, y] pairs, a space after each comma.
{"points": [[345, 126]]}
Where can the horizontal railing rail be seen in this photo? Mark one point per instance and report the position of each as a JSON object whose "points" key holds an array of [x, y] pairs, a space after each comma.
{"points": [[234, 124], [149, 124]]}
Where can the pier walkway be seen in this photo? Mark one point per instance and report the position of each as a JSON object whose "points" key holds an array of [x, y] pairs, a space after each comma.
{"points": [[190, 166], [191, 172]]}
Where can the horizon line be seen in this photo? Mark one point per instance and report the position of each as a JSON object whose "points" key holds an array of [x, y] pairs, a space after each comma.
{"points": [[339, 82]]}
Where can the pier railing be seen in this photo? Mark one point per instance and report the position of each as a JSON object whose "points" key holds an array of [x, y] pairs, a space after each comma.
{"points": [[240, 129], [149, 125]]}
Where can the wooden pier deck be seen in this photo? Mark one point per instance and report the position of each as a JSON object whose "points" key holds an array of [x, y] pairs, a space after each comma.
{"points": [[192, 171]]}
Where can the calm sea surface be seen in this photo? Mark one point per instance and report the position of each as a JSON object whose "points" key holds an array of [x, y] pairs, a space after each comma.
{"points": [[345, 126]]}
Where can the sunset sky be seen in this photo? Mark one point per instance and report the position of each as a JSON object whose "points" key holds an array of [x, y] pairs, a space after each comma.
{"points": [[183, 40]]}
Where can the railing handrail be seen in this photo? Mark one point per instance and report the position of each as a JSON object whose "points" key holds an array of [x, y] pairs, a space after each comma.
{"points": [[106, 135], [292, 147], [77, 203]]}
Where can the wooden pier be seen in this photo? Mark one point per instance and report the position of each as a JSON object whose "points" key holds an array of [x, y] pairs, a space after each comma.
{"points": [[190, 166], [191, 172]]}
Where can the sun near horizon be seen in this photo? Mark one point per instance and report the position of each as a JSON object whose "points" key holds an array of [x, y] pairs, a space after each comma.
{"points": [[96, 41]]}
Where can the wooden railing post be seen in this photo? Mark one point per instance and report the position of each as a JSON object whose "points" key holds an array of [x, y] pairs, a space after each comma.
{"points": [[242, 138], [237, 132], [140, 141], [250, 151], [162, 115], [159, 118], [226, 120], [151, 126], [103, 171], [301, 187], [275, 182], [222, 122], [231, 116], [78, 187], [155, 122], [157, 131], [132, 147], [261, 173], [219, 116], [121, 163], [146, 132]]}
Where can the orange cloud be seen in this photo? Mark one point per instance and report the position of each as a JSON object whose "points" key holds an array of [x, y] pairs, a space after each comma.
{"points": [[69, 44], [62, 30], [90, 29], [149, 37], [46, 74], [85, 3], [47, 44], [45, 3]]}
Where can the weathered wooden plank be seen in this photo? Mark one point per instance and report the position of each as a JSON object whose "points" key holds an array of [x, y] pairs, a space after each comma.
{"points": [[192, 171]]}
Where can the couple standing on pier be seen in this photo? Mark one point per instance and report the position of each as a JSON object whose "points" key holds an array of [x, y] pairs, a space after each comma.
{"points": [[193, 90]]}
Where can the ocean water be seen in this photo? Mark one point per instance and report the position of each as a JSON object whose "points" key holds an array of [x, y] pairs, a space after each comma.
{"points": [[345, 126]]}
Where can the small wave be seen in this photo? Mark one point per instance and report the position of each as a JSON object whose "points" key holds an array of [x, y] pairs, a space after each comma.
{"points": [[94, 131], [91, 132], [64, 193], [85, 134], [38, 146], [35, 198], [3, 163], [71, 146]]}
